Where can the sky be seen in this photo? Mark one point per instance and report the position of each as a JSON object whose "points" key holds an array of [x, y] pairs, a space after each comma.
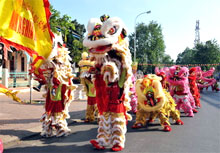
{"points": [[176, 17]]}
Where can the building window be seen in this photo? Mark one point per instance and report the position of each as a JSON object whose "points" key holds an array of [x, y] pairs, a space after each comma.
{"points": [[22, 64], [12, 64]]}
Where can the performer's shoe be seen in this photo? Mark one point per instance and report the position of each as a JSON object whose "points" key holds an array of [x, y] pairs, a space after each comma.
{"points": [[194, 110], [150, 121], [46, 135], [179, 122], [62, 133], [117, 147], [89, 120], [190, 114], [86, 120], [36, 88], [96, 145], [137, 126], [167, 128]]}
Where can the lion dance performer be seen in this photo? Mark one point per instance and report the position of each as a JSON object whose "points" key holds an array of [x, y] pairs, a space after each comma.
{"points": [[193, 86], [179, 89], [107, 43], [204, 82], [86, 79], [133, 95], [153, 102], [56, 73], [163, 74]]}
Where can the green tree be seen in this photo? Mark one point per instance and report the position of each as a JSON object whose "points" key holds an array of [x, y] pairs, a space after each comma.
{"points": [[72, 33], [202, 53], [208, 53], [55, 15], [167, 59], [186, 57], [150, 47], [65, 26]]}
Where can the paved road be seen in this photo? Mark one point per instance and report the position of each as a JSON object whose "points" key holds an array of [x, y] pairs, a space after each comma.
{"points": [[200, 134]]}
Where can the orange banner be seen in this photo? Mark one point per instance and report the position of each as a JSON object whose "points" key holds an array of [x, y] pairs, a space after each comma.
{"points": [[25, 26]]}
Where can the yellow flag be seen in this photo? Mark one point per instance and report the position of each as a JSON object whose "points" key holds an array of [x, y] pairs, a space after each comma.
{"points": [[24, 24], [10, 93]]}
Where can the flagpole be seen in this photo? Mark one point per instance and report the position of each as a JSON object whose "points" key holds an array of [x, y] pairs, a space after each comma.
{"points": [[30, 84]]}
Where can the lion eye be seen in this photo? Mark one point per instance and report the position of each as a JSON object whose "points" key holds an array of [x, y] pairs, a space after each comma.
{"points": [[112, 31]]}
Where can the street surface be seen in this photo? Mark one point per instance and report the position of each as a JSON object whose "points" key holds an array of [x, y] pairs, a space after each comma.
{"points": [[200, 134]]}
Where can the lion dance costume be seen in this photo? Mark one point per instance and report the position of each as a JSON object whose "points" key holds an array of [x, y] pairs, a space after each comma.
{"points": [[132, 89], [179, 89], [86, 79], [204, 82], [193, 86], [153, 102], [56, 74], [108, 46]]}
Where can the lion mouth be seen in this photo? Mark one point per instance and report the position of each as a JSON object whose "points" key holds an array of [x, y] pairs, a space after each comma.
{"points": [[151, 101], [101, 49]]}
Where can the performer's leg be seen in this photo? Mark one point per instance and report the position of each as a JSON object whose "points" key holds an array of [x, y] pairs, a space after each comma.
{"points": [[118, 123], [104, 132], [186, 106], [141, 118], [197, 100], [90, 113], [152, 117], [47, 130], [164, 121], [178, 102], [91, 109], [60, 123], [175, 114], [133, 103]]}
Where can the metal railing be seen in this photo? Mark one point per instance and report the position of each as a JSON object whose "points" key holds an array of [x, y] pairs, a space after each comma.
{"points": [[17, 79]]}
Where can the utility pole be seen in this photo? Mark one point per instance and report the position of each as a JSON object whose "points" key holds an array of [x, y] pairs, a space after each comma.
{"points": [[197, 35]]}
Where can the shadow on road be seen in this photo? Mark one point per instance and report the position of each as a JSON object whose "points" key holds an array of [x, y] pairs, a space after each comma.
{"points": [[18, 121], [18, 133], [54, 149]]}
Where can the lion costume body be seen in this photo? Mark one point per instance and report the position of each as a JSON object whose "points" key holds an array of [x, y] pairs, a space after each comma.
{"points": [[204, 82], [56, 74], [108, 47], [193, 86], [153, 102], [179, 89]]}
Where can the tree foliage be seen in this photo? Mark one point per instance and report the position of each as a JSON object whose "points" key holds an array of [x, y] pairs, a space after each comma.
{"points": [[150, 47], [202, 53], [186, 57], [72, 33]]}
